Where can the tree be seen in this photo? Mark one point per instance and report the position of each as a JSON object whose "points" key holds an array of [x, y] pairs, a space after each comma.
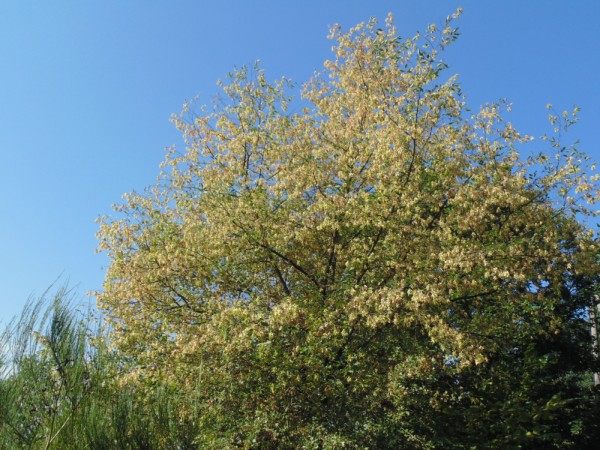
{"points": [[368, 268]]}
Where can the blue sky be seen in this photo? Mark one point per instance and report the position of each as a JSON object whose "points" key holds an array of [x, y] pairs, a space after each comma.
{"points": [[87, 88]]}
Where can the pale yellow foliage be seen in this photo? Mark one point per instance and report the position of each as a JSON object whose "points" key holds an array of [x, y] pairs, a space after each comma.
{"points": [[375, 203]]}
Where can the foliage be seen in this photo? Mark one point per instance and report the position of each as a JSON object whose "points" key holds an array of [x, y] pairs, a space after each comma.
{"points": [[46, 374], [364, 272], [59, 387]]}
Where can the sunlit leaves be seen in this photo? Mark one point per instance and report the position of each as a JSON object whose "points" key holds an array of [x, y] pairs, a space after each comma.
{"points": [[299, 256]]}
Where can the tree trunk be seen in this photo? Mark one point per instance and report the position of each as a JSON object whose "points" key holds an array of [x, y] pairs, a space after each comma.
{"points": [[594, 314]]}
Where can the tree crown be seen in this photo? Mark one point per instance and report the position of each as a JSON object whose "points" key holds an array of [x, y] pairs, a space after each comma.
{"points": [[376, 232]]}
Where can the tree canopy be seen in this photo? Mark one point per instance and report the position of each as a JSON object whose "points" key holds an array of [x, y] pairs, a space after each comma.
{"points": [[370, 266]]}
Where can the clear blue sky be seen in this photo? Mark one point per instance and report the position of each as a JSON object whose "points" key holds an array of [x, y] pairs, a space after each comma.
{"points": [[87, 88]]}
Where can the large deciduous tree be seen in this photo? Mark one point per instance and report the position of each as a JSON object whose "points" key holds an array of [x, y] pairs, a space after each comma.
{"points": [[370, 266]]}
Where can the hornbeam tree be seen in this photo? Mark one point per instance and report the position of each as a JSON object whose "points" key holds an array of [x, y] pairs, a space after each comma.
{"points": [[369, 267]]}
